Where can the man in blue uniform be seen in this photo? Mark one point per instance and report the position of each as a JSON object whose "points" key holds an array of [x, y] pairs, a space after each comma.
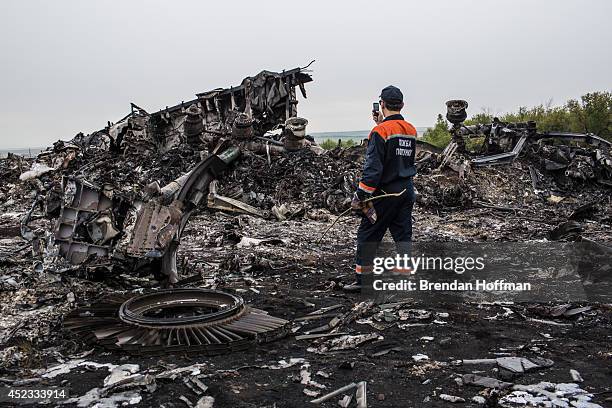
{"points": [[388, 168]]}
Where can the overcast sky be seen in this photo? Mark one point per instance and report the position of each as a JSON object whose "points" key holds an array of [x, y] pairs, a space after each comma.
{"points": [[70, 66]]}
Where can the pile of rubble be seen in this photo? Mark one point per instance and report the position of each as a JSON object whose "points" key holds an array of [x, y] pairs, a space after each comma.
{"points": [[303, 180], [230, 191]]}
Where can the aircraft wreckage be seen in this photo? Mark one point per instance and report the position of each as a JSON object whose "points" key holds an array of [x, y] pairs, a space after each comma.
{"points": [[230, 190], [132, 217], [503, 142], [97, 221], [100, 225]]}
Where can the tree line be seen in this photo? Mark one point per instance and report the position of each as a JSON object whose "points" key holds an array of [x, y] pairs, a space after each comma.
{"points": [[591, 114]]}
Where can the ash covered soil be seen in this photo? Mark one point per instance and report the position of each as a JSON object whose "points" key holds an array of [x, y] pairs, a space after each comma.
{"points": [[408, 352]]}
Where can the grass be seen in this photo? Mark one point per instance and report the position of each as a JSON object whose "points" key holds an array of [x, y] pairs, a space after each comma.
{"points": [[330, 144]]}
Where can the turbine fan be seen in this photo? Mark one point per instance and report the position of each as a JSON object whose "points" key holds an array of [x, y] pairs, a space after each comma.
{"points": [[191, 320]]}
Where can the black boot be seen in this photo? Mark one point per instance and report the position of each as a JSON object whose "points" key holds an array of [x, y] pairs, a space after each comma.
{"points": [[362, 281]]}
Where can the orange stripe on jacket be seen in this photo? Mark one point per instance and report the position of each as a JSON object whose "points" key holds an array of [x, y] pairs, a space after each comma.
{"points": [[394, 127], [366, 188]]}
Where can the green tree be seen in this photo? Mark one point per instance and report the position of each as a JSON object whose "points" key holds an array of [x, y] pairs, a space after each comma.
{"points": [[485, 116], [547, 117], [439, 134], [593, 114]]}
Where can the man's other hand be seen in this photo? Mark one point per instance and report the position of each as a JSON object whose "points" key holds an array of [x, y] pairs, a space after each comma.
{"points": [[357, 205], [363, 208]]}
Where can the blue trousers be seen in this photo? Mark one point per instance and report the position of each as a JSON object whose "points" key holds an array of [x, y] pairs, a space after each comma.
{"points": [[393, 214]]}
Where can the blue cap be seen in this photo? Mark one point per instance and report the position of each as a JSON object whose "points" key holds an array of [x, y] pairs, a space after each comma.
{"points": [[392, 94]]}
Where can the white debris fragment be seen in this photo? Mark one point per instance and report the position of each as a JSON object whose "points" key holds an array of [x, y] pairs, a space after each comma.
{"points": [[518, 398], [37, 170], [548, 395], [205, 402], [409, 326], [420, 357], [306, 377], [199, 384], [334, 393], [576, 376], [286, 363], [323, 374], [479, 399], [305, 374], [507, 312], [120, 373], [451, 398], [361, 395], [419, 314], [514, 364], [172, 374], [439, 322], [247, 242], [348, 342], [486, 382], [311, 393], [345, 401], [551, 322], [95, 398], [186, 400], [65, 368], [427, 338]]}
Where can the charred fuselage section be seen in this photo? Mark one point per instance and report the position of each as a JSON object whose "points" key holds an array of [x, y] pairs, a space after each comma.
{"points": [[96, 221]]}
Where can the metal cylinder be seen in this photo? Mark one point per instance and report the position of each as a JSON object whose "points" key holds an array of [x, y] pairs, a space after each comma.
{"points": [[193, 126], [242, 127], [295, 130], [456, 111], [297, 126]]}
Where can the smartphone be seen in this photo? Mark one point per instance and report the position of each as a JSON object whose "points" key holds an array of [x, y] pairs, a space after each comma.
{"points": [[375, 107]]}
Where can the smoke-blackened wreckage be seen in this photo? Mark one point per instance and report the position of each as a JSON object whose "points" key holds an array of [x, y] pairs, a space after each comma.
{"points": [[171, 259]]}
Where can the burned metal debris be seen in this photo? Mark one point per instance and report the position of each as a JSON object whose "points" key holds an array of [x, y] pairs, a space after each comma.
{"points": [[503, 142], [235, 201], [259, 104], [199, 321], [132, 218], [97, 222], [140, 227]]}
